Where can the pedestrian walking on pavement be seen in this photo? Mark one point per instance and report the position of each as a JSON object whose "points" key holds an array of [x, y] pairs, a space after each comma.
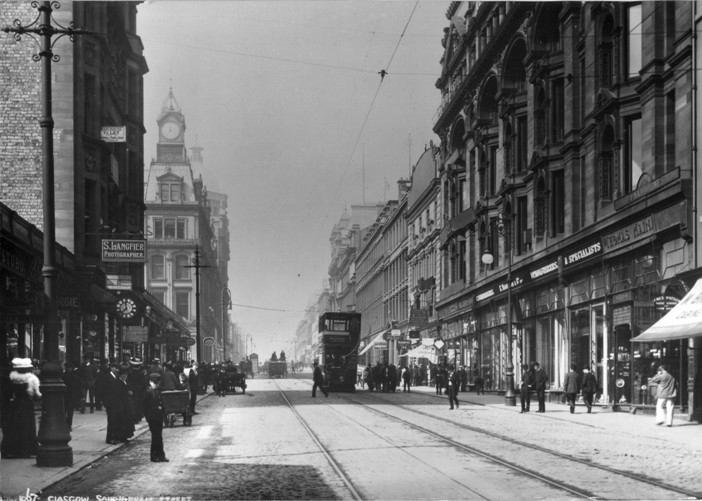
{"points": [[665, 405], [526, 385], [479, 383], [571, 386], [194, 385], [87, 372], [137, 381], [19, 434], [406, 378], [73, 395], [153, 411], [120, 426], [540, 385], [440, 379], [124, 419], [318, 379], [103, 380], [589, 388], [452, 382], [156, 366]]}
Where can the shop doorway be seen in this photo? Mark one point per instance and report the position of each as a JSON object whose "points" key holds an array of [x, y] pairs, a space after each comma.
{"points": [[588, 344]]}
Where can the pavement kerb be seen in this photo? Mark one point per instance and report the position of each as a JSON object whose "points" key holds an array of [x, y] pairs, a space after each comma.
{"points": [[20, 477]]}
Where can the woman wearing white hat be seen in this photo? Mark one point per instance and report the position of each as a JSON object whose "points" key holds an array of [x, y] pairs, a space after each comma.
{"points": [[19, 438]]}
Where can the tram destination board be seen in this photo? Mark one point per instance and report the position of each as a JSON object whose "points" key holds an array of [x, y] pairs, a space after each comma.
{"points": [[336, 338], [123, 251]]}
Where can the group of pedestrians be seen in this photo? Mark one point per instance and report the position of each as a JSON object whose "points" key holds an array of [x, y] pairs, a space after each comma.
{"points": [[127, 391], [533, 378]]}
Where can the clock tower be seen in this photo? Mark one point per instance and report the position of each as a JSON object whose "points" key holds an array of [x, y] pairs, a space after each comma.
{"points": [[171, 132]]}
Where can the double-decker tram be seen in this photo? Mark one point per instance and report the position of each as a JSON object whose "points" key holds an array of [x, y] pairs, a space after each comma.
{"points": [[339, 334]]}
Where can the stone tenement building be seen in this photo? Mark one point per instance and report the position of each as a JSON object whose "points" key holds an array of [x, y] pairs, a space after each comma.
{"points": [[567, 185]]}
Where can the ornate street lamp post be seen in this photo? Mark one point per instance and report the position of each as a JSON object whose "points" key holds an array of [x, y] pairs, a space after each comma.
{"points": [[504, 229], [53, 435]]}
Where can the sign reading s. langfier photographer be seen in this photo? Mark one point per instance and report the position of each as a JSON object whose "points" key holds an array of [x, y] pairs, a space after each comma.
{"points": [[123, 251]]}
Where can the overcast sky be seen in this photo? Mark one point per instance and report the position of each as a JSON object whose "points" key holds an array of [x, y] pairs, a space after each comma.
{"points": [[287, 101]]}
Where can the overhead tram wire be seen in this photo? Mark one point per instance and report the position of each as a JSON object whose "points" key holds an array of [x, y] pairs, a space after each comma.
{"points": [[258, 56], [264, 308], [383, 73]]}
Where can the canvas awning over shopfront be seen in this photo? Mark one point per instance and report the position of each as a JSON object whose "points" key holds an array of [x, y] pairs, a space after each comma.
{"points": [[423, 351], [377, 339], [683, 321]]}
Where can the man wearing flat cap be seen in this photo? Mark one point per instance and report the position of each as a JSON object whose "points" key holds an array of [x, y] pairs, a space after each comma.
{"points": [[153, 411]]}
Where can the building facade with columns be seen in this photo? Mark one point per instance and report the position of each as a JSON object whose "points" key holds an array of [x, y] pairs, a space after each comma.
{"points": [[566, 140]]}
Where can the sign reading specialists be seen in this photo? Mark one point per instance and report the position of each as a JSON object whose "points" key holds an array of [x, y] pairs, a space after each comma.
{"points": [[581, 254], [123, 251]]}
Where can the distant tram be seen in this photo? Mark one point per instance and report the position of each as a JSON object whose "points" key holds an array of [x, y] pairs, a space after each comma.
{"points": [[339, 334]]}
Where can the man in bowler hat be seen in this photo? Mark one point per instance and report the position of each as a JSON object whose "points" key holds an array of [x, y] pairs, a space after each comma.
{"points": [[153, 411]]}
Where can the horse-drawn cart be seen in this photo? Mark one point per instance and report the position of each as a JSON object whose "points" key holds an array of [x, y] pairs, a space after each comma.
{"points": [[229, 379], [176, 402], [278, 369]]}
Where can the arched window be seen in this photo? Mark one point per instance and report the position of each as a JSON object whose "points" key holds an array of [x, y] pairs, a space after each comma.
{"points": [[540, 116], [606, 53], [514, 74], [158, 267], [606, 164], [547, 35], [540, 207], [509, 151]]}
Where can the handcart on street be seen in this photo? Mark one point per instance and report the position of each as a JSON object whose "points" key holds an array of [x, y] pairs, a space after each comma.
{"points": [[176, 402]]}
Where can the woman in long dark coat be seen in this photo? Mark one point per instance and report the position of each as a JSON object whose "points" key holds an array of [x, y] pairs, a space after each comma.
{"points": [[19, 438]]}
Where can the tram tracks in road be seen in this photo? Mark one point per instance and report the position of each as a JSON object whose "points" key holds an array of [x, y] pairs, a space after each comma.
{"points": [[325, 452], [511, 442], [607, 477], [436, 469]]}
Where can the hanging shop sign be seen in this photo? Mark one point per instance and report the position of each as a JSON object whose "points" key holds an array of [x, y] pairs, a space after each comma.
{"points": [[665, 303], [114, 134], [135, 334], [118, 282], [123, 251], [208, 341]]}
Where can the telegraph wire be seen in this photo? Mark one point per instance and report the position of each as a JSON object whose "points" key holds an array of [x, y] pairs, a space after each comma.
{"points": [[265, 308], [383, 73], [282, 59]]}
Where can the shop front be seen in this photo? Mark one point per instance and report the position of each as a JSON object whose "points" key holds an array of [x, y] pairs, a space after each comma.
{"points": [[491, 353], [674, 341], [167, 333], [22, 303]]}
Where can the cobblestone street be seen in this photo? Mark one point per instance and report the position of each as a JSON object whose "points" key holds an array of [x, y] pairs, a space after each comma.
{"points": [[251, 447]]}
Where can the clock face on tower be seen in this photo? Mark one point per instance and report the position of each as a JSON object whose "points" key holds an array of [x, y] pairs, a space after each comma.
{"points": [[170, 130]]}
